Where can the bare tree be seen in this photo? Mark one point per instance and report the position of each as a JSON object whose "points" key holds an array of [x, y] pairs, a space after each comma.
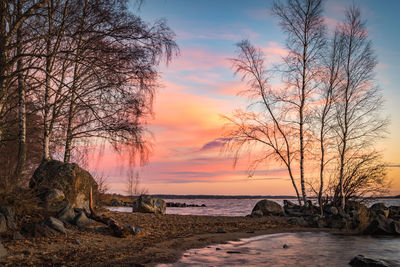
{"points": [[363, 178], [358, 100], [133, 185], [331, 79], [305, 28], [289, 109], [267, 128]]}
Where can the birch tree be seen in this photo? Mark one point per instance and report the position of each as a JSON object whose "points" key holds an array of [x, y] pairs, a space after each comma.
{"points": [[330, 80], [303, 23], [358, 101], [267, 129]]}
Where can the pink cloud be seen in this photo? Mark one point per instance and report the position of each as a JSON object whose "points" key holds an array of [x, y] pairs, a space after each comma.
{"points": [[274, 52], [198, 60]]}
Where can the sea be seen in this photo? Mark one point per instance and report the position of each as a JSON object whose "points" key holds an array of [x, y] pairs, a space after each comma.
{"points": [[301, 249], [231, 206]]}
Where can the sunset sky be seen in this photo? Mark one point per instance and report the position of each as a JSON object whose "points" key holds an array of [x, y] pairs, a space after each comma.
{"points": [[199, 86]]}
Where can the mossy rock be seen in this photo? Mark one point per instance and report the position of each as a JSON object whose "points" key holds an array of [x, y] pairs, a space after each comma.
{"points": [[69, 178]]}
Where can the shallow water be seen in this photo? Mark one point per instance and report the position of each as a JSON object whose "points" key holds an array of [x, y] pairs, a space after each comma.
{"points": [[304, 249], [225, 207]]}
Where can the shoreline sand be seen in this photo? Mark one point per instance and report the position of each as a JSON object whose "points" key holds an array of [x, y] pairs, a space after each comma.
{"points": [[165, 238]]}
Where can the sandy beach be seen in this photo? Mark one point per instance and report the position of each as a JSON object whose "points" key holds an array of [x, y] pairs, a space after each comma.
{"points": [[164, 239]]}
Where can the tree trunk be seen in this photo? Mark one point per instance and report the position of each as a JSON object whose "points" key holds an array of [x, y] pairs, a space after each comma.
{"points": [[321, 175], [115, 228], [71, 112], [46, 126], [21, 106], [3, 59]]}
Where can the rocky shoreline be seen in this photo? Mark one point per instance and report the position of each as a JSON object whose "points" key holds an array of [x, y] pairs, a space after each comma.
{"points": [[64, 229], [357, 217], [163, 239], [115, 202]]}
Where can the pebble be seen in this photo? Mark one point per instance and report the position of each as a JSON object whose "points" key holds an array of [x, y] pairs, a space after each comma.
{"points": [[221, 231], [17, 236], [233, 252], [285, 246], [3, 251]]}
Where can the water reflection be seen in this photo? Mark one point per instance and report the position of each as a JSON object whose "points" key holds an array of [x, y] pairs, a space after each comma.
{"points": [[304, 249]]}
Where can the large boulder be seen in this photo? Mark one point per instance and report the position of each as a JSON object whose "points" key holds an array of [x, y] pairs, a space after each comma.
{"points": [[149, 204], [58, 184], [362, 261], [380, 208], [394, 212], [383, 226], [359, 215], [292, 209], [268, 207]]}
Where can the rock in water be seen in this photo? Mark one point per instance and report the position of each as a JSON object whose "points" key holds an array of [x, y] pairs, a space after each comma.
{"points": [[149, 204], [268, 207], [54, 178], [361, 261]]}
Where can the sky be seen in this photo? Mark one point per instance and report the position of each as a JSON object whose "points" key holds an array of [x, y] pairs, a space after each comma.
{"points": [[199, 86]]}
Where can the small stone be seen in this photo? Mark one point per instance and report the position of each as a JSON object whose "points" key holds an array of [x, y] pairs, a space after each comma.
{"points": [[221, 231], [333, 210], [26, 252], [218, 249], [67, 214], [17, 236], [233, 252], [9, 213], [81, 220], [3, 223], [3, 251], [77, 242], [134, 230], [56, 224], [285, 246]]}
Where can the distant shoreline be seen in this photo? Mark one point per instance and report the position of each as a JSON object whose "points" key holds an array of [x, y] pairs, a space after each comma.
{"points": [[166, 196]]}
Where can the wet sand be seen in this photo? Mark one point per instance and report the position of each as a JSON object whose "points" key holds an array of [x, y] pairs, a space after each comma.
{"points": [[164, 239]]}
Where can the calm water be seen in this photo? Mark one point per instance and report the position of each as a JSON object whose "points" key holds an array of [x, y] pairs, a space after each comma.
{"points": [[305, 249], [226, 207]]}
